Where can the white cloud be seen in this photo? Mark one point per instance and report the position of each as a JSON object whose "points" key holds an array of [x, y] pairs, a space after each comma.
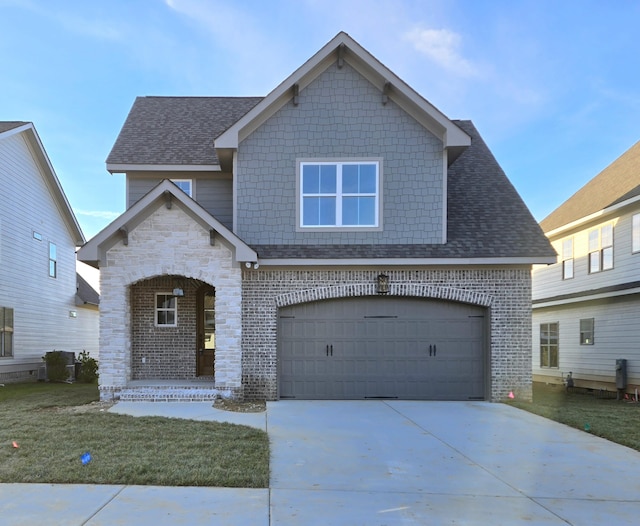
{"points": [[443, 47], [100, 214]]}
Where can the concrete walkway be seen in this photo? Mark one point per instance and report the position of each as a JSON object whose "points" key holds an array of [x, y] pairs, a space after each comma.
{"points": [[373, 463]]}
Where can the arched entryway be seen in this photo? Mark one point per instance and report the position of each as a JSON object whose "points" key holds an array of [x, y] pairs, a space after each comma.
{"points": [[172, 329]]}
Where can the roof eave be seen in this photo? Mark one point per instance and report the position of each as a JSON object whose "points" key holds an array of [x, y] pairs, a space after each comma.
{"points": [[114, 168]]}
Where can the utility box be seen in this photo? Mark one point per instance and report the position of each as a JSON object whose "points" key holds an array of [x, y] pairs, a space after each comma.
{"points": [[621, 373]]}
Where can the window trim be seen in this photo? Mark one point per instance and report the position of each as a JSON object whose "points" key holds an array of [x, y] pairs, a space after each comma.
{"points": [[546, 348], [300, 162], [157, 310], [590, 331]]}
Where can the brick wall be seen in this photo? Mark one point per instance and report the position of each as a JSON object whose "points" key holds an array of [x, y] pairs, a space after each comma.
{"points": [[163, 352], [505, 291]]}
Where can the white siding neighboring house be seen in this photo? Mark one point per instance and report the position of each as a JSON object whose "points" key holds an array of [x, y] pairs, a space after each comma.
{"points": [[586, 307], [44, 304]]}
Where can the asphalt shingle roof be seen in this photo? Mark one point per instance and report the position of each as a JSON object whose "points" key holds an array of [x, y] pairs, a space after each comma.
{"points": [[486, 216], [176, 130], [616, 183]]}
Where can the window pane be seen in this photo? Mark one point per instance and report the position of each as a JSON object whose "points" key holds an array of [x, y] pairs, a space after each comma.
{"points": [[162, 317], [170, 317], [567, 249], [567, 269], [607, 258], [553, 356], [350, 179], [358, 211], [327, 211], [52, 268], [586, 331], [367, 211], [544, 357], [310, 179], [594, 240], [52, 251], [328, 178], [594, 262], [368, 178], [607, 236], [311, 211]]}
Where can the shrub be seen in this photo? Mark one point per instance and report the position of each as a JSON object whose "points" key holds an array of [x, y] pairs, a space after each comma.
{"points": [[56, 366], [88, 372]]}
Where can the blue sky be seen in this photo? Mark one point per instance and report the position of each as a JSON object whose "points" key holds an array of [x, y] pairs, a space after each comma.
{"points": [[553, 86]]}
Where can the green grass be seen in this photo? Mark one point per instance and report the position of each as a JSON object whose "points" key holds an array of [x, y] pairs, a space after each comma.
{"points": [[615, 420], [52, 437]]}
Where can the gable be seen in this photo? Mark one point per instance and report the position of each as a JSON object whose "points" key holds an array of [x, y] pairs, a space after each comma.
{"points": [[341, 116]]}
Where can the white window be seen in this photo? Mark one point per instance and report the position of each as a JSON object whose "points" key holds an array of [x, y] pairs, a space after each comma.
{"points": [[601, 249], [635, 233], [166, 310], [339, 194], [53, 260], [184, 185], [567, 258]]}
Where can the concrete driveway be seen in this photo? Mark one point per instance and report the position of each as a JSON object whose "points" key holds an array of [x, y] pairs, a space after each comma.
{"points": [[402, 462], [373, 463]]}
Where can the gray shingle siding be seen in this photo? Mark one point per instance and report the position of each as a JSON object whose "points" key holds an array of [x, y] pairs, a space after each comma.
{"points": [[340, 115]]}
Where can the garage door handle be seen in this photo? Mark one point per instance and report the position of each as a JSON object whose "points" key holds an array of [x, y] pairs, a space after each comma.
{"points": [[434, 350], [430, 350], [331, 349], [327, 350]]}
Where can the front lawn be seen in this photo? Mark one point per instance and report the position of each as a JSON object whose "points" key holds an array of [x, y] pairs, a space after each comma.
{"points": [[615, 420], [61, 439]]}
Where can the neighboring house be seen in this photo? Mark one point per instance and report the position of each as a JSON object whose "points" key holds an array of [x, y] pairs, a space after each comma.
{"points": [[338, 238], [586, 307], [44, 304]]}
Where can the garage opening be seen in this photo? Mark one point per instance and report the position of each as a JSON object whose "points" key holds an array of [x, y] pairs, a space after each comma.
{"points": [[382, 347]]}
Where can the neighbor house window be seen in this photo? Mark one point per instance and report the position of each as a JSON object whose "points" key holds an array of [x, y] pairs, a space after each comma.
{"points": [[166, 310], [184, 185], [567, 258], [586, 331], [6, 332], [601, 249], [339, 194], [635, 233], [549, 344], [53, 260]]}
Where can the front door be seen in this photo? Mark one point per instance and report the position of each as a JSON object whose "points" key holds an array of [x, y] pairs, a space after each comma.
{"points": [[206, 328]]}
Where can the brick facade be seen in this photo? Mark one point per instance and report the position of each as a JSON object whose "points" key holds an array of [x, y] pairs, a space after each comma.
{"points": [[506, 292]]}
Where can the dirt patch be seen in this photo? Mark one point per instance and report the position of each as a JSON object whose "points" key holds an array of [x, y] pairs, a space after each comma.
{"points": [[249, 406], [93, 407]]}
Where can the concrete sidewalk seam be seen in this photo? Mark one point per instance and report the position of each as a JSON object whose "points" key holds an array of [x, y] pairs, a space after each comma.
{"points": [[105, 505]]}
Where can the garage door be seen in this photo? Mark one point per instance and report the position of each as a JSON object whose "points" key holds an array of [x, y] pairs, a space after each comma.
{"points": [[382, 347]]}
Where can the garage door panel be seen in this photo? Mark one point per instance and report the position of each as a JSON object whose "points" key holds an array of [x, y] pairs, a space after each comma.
{"points": [[379, 347]]}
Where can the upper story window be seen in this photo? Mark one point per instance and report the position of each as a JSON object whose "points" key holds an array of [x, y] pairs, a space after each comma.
{"points": [[340, 194], [635, 233], [184, 184], [53, 260], [166, 310], [601, 249], [567, 258]]}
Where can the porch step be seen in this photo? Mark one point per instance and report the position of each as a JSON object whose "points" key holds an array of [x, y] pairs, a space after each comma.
{"points": [[166, 393]]}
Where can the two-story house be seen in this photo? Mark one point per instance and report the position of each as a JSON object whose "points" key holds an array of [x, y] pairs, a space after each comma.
{"points": [[44, 304], [338, 238], [586, 308]]}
